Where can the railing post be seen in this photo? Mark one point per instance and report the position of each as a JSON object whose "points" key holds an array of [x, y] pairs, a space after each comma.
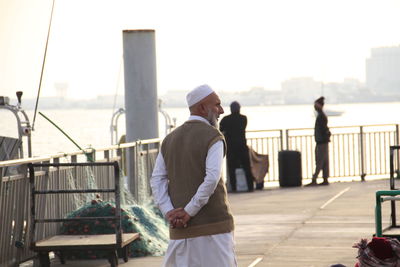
{"points": [[391, 166], [281, 138], [378, 215], [131, 169], [148, 172], [398, 151], [91, 156], [287, 140], [107, 155], [1, 178], [117, 203], [21, 216], [362, 156], [121, 155], [138, 166], [392, 187]]}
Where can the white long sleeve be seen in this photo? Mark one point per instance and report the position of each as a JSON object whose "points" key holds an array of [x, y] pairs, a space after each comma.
{"points": [[159, 185], [159, 182]]}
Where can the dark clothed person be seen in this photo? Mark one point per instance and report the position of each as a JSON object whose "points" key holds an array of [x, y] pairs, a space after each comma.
{"points": [[322, 134], [322, 138], [233, 127]]}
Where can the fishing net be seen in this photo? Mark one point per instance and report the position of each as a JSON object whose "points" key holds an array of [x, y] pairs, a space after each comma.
{"points": [[144, 219]]}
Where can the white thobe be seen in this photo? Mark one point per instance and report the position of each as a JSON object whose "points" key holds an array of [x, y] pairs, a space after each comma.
{"points": [[203, 251]]}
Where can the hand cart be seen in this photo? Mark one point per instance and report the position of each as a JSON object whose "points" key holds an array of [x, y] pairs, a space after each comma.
{"points": [[61, 243], [392, 195]]}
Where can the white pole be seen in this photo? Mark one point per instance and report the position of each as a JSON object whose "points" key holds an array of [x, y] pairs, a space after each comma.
{"points": [[140, 85], [141, 112]]}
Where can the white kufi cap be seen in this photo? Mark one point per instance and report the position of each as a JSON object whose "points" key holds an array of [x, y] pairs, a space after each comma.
{"points": [[198, 94]]}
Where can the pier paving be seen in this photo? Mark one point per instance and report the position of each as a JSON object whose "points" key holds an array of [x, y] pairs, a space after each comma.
{"points": [[299, 227]]}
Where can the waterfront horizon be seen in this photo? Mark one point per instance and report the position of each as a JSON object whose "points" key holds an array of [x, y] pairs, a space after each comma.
{"points": [[91, 127]]}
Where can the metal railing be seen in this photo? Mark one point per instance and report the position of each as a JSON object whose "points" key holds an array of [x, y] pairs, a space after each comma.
{"points": [[268, 142], [353, 151], [15, 193]]}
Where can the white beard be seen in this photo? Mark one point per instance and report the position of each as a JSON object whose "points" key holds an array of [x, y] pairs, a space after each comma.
{"points": [[212, 118]]}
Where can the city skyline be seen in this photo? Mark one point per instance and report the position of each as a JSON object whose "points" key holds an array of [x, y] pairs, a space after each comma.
{"points": [[231, 45]]}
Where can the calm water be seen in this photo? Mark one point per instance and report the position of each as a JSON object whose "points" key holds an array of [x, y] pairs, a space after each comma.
{"points": [[92, 127]]}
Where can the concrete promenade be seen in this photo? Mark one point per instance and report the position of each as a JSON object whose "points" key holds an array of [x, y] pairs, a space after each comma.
{"points": [[300, 226]]}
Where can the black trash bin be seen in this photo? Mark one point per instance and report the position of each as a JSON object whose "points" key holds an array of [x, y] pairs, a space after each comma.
{"points": [[289, 168]]}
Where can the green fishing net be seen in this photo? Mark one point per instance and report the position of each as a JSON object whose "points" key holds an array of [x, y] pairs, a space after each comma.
{"points": [[145, 219]]}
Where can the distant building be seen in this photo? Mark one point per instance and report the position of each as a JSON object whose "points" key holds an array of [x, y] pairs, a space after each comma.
{"points": [[256, 96], [301, 90], [383, 70]]}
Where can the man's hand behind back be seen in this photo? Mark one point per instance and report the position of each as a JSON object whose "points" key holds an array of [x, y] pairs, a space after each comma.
{"points": [[178, 218]]}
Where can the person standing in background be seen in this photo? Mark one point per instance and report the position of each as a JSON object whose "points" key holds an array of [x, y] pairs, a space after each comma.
{"points": [[233, 127], [322, 138], [189, 190]]}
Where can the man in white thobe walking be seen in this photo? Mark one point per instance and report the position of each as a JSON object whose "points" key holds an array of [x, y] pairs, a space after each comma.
{"points": [[188, 188]]}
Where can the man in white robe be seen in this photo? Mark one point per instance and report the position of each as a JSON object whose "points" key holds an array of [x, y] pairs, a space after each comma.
{"points": [[194, 243]]}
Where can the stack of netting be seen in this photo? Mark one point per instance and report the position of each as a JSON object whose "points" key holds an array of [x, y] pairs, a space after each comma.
{"points": [[145, 220]]}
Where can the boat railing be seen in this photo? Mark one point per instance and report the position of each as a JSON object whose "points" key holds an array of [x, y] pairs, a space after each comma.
{"points": [[169, 123], [23, 124]]}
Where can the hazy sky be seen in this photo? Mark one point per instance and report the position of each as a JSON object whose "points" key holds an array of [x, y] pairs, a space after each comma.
{"points": [[231, 45]]}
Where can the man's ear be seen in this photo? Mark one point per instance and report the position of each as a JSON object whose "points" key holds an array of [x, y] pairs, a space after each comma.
{"points": [[203, 109]]}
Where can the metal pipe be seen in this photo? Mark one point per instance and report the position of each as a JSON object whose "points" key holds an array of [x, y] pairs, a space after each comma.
{"points": [[89, 156], [114, 125], [362, 171]]}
